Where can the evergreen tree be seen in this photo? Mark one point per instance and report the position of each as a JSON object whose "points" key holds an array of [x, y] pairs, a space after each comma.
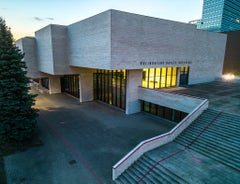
{"points": [[17, 117]]}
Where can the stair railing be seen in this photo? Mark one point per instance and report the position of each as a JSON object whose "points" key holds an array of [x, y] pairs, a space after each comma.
{"points": [[157, 141]]}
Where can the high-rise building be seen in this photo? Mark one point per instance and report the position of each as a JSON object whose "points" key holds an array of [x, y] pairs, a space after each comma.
{"points": [[220, 15]]}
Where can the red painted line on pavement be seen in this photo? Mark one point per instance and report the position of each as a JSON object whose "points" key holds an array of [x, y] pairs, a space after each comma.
{"points": [[59, 135], [181, 150]]}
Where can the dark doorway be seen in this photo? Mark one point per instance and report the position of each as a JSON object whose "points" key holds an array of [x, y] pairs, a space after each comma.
{"points": [[70, 85], [184, 73]]}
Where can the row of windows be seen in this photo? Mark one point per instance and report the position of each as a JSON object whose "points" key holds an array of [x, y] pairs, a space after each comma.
{"points": [[70, 85], [110, 87], [155, 78], [212, 2], [164, 112], [232, 3], [221, 15]]}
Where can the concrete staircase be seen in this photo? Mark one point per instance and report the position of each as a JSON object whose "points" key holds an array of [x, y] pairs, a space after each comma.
{"points": [[214, 135], [220, 141], [160, 174]]}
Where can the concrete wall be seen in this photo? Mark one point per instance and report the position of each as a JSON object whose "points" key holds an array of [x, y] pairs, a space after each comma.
{"points": [[232, 55], [120, 40], [60, 50], [86, 84], [134, 79], [45, 50], [52, 47], [89, 42], [28, 46], [54, 84], [144, 42], [174, 101]]}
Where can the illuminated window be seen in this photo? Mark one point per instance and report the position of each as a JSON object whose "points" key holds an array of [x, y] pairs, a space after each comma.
{"points": [[155, 78], [110, 87], [163, 78]]}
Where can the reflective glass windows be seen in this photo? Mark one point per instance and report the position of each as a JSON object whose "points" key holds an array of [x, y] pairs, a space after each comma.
{"points": [[220, 16], [155, 78], [70, 85], [163, 112], [110, 87]]}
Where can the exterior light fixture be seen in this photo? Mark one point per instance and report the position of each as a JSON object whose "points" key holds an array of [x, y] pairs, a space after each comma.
{"points": [[228, 77]]}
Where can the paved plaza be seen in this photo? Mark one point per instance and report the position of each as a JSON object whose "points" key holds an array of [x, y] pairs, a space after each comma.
{"points": [[81, 142]]}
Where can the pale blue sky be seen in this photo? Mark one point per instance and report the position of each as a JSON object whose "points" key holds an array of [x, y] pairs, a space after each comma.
{"points": [[27, 16]]}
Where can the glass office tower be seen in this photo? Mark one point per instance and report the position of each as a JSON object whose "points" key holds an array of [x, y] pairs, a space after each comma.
{"points": [[220, 16]]}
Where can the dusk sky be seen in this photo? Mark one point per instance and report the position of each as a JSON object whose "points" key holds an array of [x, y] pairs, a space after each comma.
{"points": [[27, 16]]}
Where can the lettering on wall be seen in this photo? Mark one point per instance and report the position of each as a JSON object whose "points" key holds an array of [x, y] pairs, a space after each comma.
{"points": [[152, 63]]}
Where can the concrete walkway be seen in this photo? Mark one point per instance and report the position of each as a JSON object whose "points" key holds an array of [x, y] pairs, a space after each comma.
{"points": [[223, 95], [81, 142]]}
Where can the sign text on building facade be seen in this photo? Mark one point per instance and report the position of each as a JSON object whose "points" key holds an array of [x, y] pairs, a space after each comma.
{"points": [[152, 63]]}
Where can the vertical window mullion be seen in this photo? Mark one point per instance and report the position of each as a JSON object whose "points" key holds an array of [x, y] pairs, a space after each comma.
{"points": [[121, 78], [160, 78], [112, 86], [148, 77], [166, 74], [154, 77]]}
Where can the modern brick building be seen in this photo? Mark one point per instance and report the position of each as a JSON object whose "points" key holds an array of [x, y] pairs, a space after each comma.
{"points": [[113, 55]]}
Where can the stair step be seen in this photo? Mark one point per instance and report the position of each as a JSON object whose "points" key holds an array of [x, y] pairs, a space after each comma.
{"points": [[216, 125], [174, 178], [127, 178], [142, 172], [224, 154], [153, 176], [224, 144], [220, 142], [216, 136], [217, 156], [213, 156], [213, 132]]}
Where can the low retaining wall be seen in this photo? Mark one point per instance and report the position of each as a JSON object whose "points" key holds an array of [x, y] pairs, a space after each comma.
{"points": [[175, 101]]}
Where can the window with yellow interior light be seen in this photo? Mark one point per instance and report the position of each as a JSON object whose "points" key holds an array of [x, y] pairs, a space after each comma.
{"points": [[110, 87], [155, 78]]}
